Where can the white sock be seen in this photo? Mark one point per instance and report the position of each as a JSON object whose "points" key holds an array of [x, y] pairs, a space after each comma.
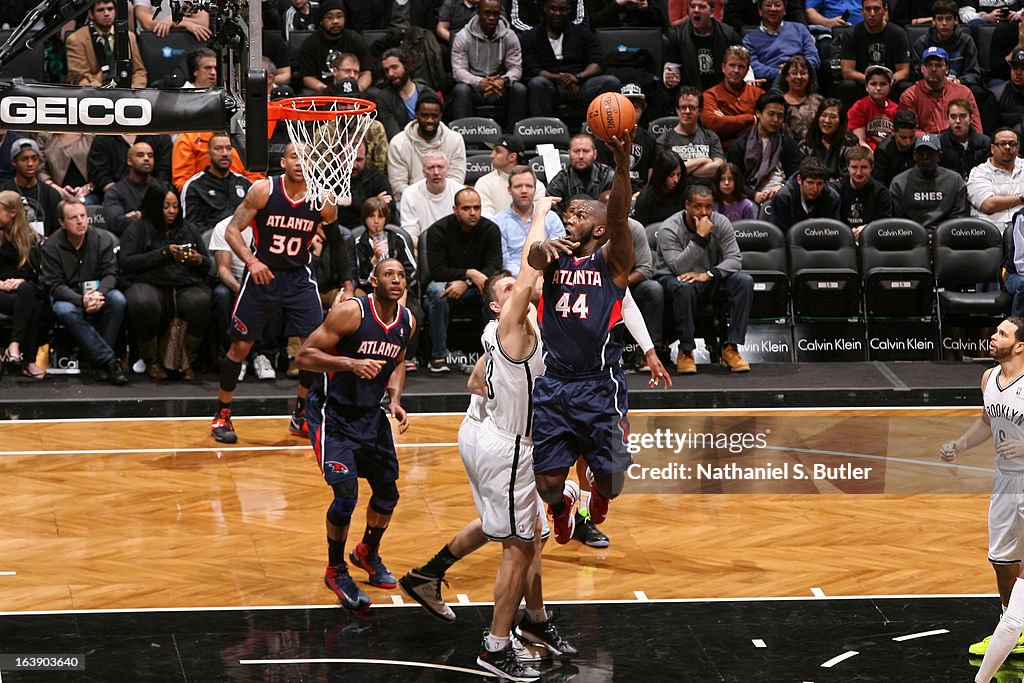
{"points": [[584, 501], [494, 643], [1005, 637]]}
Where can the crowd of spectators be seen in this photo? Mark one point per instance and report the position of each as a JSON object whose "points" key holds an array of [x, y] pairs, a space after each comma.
{"points": [[846, 109]]}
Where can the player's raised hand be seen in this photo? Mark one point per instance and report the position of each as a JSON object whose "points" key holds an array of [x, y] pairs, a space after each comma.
{"points": [[552, 249], [1010, 448], [367, 368], [545, 205], [947, 451], [398, 412], [261, 274], [622, 147], [658, 372]]}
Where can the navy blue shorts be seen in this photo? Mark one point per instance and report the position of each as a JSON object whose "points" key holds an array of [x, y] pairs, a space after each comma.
{"points": [[586, 416], [351, 442], [293, 291]]}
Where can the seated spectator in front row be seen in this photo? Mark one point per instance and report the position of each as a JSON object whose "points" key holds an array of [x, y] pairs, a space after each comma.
{"points": [[664, 194], [21, 295], [214, 193], [426, 134], [514, 222], [766, 155], [699, 148], [90, 49], [584, 174], [730, 108], [929, 97], [870, 117], [895, 154], [80, 275], [927, 193], [122, 201], [864, 199], [996, 187], [575, 74], [463, 249], [808, 194], [697, 255], [963, 145], [40, 199], [729, 192], [487, 64], [428, 200], [168, 267]]}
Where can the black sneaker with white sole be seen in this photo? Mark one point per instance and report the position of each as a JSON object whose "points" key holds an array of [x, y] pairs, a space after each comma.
{"points": [[506, 665], [588, 534], [544, 633]]}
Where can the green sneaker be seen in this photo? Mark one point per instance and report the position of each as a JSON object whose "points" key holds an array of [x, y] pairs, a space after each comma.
{"points": [[981, 648], [1010, 672]]}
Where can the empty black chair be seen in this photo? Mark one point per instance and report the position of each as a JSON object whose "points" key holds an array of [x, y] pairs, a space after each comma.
{"points": [[163, 56], [967, 252], [477, 166], [763, 247], [823, 270], [539, 130], [896, 268], [614, 39], [478, 132]]}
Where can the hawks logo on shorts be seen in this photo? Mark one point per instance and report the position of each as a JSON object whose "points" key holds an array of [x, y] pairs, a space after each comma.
{"points": [[336, 467], [239, 325]]}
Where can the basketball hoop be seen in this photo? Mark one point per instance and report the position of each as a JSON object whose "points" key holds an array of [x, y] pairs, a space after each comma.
{"points": [[326, 132]]}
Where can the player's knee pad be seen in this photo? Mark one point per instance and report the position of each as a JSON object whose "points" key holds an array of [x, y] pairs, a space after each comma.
{"points": [[384, 498], [346, 495], [337, 518], [229, 370], [306, 378]]}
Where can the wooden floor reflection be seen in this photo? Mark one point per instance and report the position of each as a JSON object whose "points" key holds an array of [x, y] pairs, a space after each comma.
{"points": [[151, 513]]}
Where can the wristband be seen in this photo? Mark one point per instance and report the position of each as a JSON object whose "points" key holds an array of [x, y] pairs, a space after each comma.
{"points": [[249, 263]]}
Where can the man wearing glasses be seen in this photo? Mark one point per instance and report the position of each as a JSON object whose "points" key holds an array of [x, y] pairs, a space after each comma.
{"points": [[699, 148], [996, 187]]}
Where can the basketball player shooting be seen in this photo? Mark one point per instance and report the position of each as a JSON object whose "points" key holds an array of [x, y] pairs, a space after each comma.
{"points": [[1006, 545], [278, 275], [580, 401]]}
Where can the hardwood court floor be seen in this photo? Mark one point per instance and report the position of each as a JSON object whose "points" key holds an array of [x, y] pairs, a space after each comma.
{"points": [[153, 513]]}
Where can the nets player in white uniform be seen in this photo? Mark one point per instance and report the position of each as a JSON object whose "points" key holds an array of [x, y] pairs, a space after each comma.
{"points": [[1002, 417]]}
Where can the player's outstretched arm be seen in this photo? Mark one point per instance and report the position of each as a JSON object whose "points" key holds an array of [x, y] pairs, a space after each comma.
{"points": [[514, 328], [977, 434], [637, 326], [619, 249], [255, 200], [317, 354]]}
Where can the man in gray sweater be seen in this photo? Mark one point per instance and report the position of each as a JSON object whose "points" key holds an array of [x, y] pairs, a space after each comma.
{"points": [[698, 254], [927, 193]]}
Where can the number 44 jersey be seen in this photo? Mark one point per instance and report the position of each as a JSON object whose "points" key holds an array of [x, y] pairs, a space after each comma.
{"points": [[284, 229], [580, 316]]}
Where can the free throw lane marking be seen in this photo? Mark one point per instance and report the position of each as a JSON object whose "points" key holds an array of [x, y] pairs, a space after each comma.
{"points": [[758, 642], [462, 598], [817, 592], [922, 634], [386, 662], [641, 596]]}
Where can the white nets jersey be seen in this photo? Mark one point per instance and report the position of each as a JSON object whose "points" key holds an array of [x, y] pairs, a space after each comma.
{"points": [[510, 384], [1005, 409]]}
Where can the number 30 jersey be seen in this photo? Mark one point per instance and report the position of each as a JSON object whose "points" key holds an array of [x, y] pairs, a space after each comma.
{"points": [[283, 230], [580, 316]]}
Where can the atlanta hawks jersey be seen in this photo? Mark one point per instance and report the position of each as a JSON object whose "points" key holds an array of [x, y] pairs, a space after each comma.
{"points": [[284, 229], [580, 316], [1005, 409], [510, 384], [375, 338]]}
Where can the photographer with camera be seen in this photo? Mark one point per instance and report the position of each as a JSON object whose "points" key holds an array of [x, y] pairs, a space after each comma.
{"points": [[168, 267]]}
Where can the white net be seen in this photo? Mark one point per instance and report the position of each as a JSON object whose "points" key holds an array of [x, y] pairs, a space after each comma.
{"points": [[327, 149]]}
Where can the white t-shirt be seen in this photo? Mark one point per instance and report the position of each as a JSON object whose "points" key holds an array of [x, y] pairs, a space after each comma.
{"points": [[219, 243]]}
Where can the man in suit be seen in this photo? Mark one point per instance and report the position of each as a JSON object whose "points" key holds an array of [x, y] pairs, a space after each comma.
{"points": [[91, 48]]}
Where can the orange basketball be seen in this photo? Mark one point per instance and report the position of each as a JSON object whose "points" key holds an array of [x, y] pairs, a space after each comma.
{"points": [[610, 115]]}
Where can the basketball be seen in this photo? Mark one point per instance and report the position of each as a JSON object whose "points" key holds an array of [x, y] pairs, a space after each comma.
{"points": [[610, 115]]}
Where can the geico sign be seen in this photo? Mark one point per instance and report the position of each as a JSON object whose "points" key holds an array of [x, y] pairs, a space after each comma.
{"points": [[88, 111]]}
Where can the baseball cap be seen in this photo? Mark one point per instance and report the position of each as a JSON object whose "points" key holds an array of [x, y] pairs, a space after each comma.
{"points": [[512, 143], [1017, 56], [928, 141], [633, 90], [22, 145], [878, 69], [935, 52], [346, 86]]}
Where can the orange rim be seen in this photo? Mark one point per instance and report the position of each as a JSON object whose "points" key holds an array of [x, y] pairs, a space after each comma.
{"points": [[319, 108]]}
